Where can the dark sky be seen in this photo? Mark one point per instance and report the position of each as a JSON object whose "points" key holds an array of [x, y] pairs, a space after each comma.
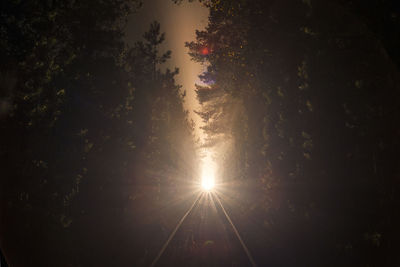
{"points": [[179, 22]]}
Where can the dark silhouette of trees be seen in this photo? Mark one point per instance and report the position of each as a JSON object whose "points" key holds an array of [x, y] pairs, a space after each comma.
{"points": [[94, 137], [311, 124]]}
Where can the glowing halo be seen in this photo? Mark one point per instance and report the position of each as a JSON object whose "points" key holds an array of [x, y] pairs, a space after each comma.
{"points": [[208, 175], [207, 182]]}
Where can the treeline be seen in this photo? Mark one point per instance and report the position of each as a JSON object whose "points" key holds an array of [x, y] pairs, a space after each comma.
{"points": [[301, 104], [94, 137]]}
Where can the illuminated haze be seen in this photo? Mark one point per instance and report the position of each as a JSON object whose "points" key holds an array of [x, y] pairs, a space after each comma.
{"points": [[179, 23]]}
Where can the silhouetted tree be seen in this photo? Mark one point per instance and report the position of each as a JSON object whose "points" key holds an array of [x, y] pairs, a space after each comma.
{"points": [[314, 139], [94, 136]]}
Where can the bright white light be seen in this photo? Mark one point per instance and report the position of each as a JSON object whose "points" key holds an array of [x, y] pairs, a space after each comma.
{"points": [[207, 183], [207, 177]]}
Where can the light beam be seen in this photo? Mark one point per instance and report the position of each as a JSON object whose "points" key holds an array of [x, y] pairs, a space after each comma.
{"points": [[208, 175]]}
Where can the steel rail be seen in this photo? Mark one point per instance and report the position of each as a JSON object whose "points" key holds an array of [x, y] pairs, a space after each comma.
{"points": [[253, 263], [175, 230]]}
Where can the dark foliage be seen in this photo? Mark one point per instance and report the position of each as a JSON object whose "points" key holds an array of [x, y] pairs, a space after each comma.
{"points": [[304, 112], [93, 136]]}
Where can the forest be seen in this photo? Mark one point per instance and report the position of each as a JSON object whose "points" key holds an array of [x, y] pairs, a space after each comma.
{"points": [[302, 101], [300, 106]]}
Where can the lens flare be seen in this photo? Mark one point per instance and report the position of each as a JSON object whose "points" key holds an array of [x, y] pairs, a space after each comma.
{"points": [[207, 177], [207, 182], [205, 51]]}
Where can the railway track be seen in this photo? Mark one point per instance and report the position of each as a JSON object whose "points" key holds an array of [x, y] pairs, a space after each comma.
{"points": [[204, 236]]}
